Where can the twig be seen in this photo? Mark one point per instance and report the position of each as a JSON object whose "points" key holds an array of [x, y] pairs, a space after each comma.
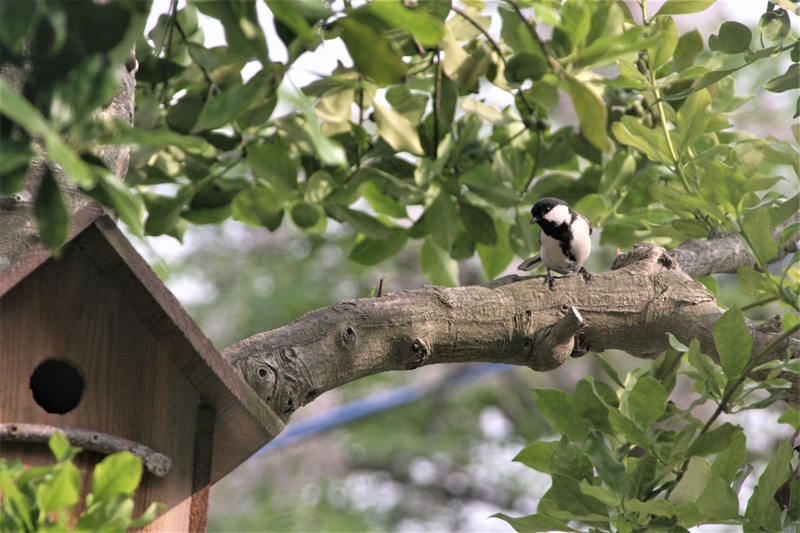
{"points": [[155, 462], [380, 287], [472, 20], [437, 101]]}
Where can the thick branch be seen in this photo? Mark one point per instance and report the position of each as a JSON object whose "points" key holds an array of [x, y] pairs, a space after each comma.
{"points": [[513, 320], [724, 253]]}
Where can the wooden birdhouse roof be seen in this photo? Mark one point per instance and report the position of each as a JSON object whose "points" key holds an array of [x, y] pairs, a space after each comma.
{"points": [[243, 422]]}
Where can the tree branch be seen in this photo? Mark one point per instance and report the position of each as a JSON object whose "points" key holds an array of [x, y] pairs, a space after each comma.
{"points": [[724, 253], [514, 320]]}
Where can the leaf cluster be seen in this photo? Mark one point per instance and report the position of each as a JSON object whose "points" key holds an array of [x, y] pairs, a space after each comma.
{"points": [[630, 459], [46, 498], [401, 145]]}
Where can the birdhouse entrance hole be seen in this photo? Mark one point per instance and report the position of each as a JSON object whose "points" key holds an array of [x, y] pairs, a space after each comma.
{"points": [[57, 386]]}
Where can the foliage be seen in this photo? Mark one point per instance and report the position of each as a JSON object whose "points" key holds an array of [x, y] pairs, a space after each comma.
{"points": [[46, 498], [402, 146]]}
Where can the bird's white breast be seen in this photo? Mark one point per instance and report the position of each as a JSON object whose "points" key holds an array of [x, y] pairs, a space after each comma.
{"points": [[581, 240]]}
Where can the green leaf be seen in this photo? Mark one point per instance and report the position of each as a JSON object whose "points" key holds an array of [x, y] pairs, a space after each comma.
{"points": [[627, 428], [757, 227], [589, 406], [52, 212], [617, 172], [536, 455], [733, 38], [569, 460], [787, 81], [147, 516], [682, 7], [693, 117], [525, 65], [397, 130], [762, 509], [373, 251], [361, 222], [479, 224], [16, 499], [591, 111], [733, 341], [443, 220], [290, 13], [568, 495], [774, 25], [718, 500], [690, 44], [271, 161], [496, 258], [305, 215], [556, 406], [21, 111], [112, 192], [119, 473], [714, 441], [730, 459], [259, 206], [222, 108], [535, 523], [610, 470], [59, 445], [426, 29], [438, 266], [662, 52], [373, 54], [382, 203], [62, 490], [651, 142], [242, 30], [576, 19], [648, 399], [693, 483], [16, 21]]}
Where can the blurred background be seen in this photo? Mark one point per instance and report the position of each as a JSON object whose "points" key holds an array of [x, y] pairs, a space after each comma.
{"points": [[425, 450]]}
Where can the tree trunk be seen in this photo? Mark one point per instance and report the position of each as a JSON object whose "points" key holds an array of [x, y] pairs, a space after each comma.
{"points": [[18, 228]]}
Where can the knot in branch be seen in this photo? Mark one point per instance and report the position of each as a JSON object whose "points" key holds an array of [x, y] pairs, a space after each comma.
{"points": [[553, 344]]}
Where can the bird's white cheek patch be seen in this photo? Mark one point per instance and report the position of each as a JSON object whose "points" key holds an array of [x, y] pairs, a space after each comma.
{"points": [[559, 215]]}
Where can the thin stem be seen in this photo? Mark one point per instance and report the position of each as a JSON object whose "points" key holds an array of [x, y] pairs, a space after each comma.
{"points": [[759, 303], [532, 30], [437, 101], [480, 27], [211, 82], [661, 116], [360, 119], [733, 386], [754, 362]]}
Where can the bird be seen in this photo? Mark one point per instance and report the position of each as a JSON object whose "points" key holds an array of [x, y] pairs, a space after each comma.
{"points": [[565, 239]]}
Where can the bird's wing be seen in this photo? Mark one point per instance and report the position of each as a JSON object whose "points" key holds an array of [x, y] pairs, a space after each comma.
{"points": [[530, 264]]}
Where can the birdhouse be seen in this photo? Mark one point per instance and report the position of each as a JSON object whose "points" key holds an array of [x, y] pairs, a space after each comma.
{"points": [[93, 343]]}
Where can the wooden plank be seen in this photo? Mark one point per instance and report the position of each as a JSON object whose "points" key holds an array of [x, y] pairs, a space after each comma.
{"points": [[36, 256], [244, 422], [201, 477]]}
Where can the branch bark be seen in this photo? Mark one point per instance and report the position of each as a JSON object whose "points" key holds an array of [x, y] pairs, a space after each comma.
{"points": [[513, 320]]}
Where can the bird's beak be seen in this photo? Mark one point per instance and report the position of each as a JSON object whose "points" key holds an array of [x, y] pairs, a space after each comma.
{"points": [[533, 221]]}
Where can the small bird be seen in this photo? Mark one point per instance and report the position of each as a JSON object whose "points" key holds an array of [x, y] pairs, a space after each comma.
{"points": [[564, 238]]}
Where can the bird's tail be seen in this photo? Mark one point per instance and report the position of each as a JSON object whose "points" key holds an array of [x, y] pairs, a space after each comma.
{"points": [[530, 264]]}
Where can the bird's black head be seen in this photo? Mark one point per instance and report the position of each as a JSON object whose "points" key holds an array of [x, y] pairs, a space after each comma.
{"points": [[544, 206]]}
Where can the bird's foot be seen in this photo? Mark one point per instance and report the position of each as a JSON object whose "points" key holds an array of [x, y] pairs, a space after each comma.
{"points": [[587, 276], [550, 280]]}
